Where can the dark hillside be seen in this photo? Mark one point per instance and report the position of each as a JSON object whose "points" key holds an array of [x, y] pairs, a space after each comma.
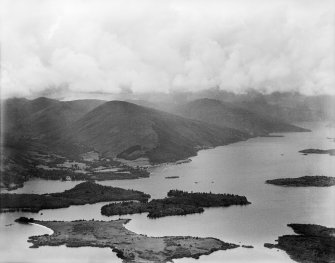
{"points": [[130, 131]]}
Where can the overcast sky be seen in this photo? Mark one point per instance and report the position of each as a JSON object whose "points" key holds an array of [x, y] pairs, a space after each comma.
{"points": [[71, 46]]}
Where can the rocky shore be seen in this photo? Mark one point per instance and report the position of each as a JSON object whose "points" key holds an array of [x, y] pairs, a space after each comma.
{"points": [[314, 243], [129, 246], [304, 181], [177, 203]]}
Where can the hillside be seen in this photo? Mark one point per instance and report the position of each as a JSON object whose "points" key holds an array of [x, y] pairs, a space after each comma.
{"points": [[42, 116], [226, 115], [129, 131]]}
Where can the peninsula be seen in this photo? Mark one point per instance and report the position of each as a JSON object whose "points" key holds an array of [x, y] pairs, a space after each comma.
{"points": [[304, 181], [129, 246], [314, 243], [177, 203], [83, 193]]}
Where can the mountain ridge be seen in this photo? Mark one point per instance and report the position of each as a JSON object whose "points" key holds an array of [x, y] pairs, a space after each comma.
{"points": [[158, 135], [126, 130], [228, 115]]}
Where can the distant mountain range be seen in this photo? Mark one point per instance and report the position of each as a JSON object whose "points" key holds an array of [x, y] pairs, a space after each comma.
{"points": [[226, 115], [289, 107], [129, 131]]}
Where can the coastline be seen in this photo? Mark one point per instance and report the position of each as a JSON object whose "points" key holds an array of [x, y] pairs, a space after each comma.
{"points": [[144, 162], [51, 232]]}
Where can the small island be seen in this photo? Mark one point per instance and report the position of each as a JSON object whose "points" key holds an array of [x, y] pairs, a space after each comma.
{"points": [[83, 193], [177, 203], [314, 243], [272, 136], [24, 220], [318, 151], [129, 246], [304, 181]]}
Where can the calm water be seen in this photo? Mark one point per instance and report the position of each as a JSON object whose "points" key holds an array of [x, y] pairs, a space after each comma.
{"points": [[239, 168]]}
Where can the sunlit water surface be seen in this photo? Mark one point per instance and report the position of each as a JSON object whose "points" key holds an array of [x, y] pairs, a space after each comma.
{"points": [[239, 168]]}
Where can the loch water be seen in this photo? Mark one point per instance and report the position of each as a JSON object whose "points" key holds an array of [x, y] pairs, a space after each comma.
{"points": [[240, 168]]}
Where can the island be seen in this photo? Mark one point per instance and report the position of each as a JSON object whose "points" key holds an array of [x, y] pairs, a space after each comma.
{"points": [[129, 246], [83, 193], [304, 181], [247, 246], [314, 243], [318, 151], [272, 136], [177, 203]]}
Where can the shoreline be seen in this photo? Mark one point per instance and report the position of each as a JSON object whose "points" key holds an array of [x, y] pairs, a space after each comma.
{"points": [[148, 165], [47, 228]]}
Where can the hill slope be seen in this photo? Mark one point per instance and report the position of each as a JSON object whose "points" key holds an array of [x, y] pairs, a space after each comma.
{"points": [[130, 131], [41, 116], [226, 115]]}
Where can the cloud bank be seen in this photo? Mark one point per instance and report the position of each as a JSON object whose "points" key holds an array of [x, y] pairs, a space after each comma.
{"points": [[71, 46]]}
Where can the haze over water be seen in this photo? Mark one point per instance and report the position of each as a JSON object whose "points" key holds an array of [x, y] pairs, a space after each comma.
{"points": [[239, 168]]}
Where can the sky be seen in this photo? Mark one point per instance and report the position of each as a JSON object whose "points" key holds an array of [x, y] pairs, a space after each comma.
{"points": [[60, 47]]}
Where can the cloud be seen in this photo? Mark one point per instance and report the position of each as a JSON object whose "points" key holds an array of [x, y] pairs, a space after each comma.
{"points": [[133, 46]]}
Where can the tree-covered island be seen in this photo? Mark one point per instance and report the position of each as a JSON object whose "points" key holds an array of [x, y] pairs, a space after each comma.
{"points": [[177, 203], [83, 193], [304, 181], [318, 151]]}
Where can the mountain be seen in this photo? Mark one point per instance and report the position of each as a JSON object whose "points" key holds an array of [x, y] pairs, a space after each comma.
{"points": [[41, 116], [227, 115], [130, 131], [286, 106]]}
